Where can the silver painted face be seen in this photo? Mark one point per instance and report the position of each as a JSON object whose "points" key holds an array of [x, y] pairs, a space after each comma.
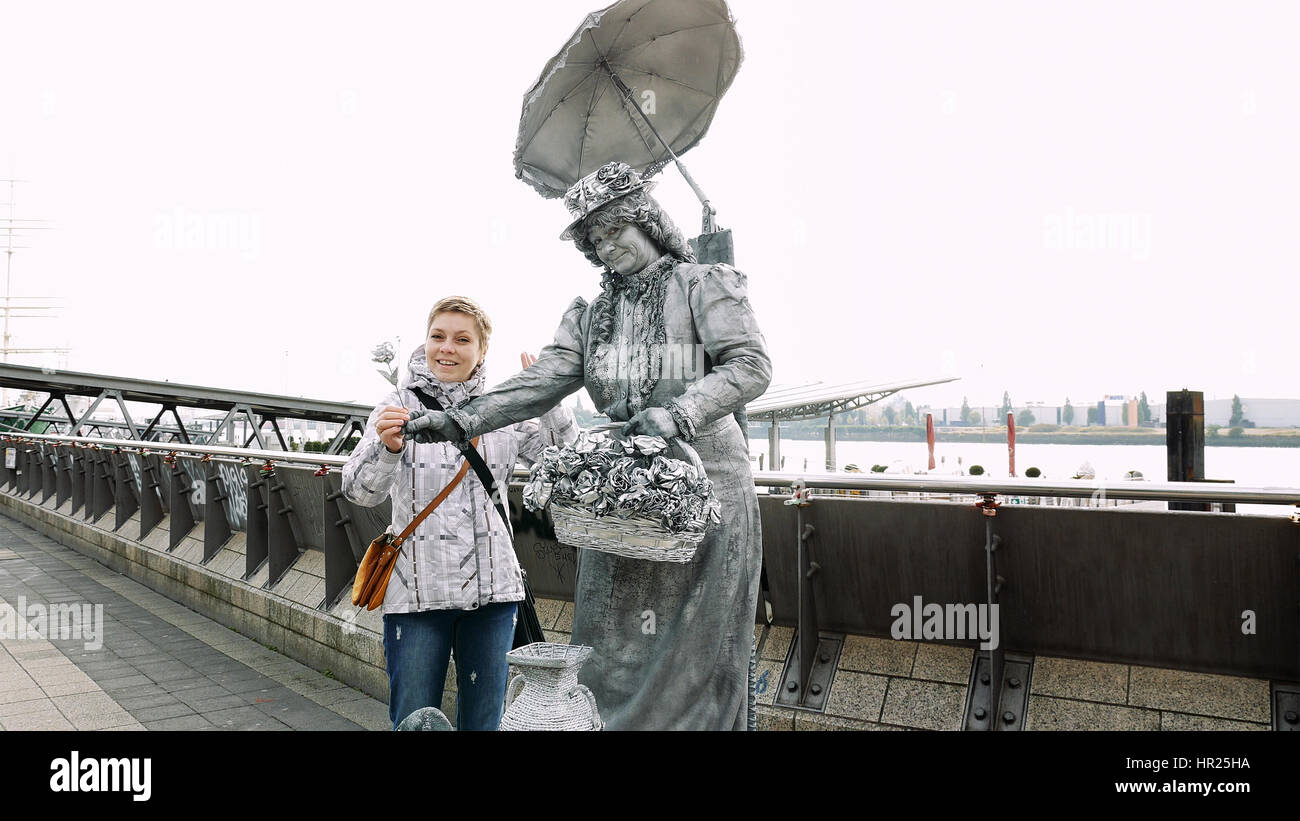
{"points": [[624, 247]]}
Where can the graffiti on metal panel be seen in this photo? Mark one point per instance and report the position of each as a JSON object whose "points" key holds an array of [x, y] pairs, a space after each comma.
{"points": [[134, 461], [232, 481], [563, 560], [235, 482]]}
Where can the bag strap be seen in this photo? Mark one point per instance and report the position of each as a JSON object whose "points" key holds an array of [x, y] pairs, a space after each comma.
{"points": [[472, 456], [437, 500]]}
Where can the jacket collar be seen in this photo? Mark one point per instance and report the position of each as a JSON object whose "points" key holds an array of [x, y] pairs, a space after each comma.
{"points": [[451, 394]]}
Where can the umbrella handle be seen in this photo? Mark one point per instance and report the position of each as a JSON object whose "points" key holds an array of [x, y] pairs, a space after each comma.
{"points": [[707, 225], [709, 211]]}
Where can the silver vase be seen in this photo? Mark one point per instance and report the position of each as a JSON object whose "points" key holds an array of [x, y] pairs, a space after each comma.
{"points": [[546, 695]]}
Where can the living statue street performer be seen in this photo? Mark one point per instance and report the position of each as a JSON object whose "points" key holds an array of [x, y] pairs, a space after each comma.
{"points": [[672, 348]]}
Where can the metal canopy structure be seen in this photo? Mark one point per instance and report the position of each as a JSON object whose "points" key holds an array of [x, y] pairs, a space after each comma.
{"points": [[815, 400], [257, 409]]}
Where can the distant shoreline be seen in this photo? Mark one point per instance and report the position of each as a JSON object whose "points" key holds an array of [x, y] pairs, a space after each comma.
{"points": [[998, 435]]}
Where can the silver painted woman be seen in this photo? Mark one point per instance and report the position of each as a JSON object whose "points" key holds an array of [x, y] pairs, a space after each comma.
{"points": [[670, 347]]}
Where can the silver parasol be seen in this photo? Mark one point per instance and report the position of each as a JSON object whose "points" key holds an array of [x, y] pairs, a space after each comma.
{"points": [[638, 82]]}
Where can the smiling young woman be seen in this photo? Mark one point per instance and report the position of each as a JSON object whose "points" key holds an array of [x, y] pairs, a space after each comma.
{"points": [[457, 582], [457, 340]]}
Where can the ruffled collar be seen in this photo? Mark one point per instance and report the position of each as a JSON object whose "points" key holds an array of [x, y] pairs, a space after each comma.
{"points": [[451, 394], [640, 282]]}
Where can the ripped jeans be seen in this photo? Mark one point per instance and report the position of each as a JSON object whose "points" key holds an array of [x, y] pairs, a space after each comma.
{"points": [[417, 647]]}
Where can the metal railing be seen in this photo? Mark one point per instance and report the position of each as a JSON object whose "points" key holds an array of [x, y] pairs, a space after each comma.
{"points": [[1081, 488]]}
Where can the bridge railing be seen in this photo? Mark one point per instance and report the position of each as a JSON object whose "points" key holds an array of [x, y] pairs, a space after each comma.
{"points": [[1209, 592]]}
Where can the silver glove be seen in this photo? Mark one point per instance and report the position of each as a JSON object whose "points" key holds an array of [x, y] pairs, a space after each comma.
{"points": [[426, 426]]}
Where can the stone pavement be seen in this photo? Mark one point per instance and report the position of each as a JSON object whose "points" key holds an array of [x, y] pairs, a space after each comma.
{"points": [[155, 664], [883, 684]]}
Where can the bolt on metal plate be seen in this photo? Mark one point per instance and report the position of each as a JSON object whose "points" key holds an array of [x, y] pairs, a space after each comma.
{"points": [[1008, 712], [823, 675], [1286, 707]]}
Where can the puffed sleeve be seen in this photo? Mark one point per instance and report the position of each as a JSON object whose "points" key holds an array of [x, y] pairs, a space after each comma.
{"points": [[557, 373], [725, 324], [370, 471], [556, 427]]}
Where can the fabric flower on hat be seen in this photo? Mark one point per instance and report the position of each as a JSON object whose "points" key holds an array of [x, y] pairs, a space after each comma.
{"points": [[616, 175]]}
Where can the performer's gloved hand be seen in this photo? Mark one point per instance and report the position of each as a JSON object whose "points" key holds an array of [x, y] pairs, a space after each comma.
{"points": [[427, 426], [653, 422]]}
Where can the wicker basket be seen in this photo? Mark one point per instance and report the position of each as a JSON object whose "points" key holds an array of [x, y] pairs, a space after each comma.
{"points": [[636, 537]]}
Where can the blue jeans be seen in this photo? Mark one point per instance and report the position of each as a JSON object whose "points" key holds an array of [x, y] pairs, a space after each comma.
{"points": [[417, 647]]}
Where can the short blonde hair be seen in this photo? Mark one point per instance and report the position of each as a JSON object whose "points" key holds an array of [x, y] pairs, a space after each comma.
{"points": [[462, 305]]}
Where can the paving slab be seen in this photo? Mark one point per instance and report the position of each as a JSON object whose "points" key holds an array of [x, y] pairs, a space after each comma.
{"points": [[189, 722], [775, 719], [1047, 713], [34, 704], [943, 662], [817, 721], [856, 696], [1180, 722], [1082, 680], [244, 718], [777, 644], [36, 721], [548, 610], [1244, 699], [928, 705], [869, 654]]}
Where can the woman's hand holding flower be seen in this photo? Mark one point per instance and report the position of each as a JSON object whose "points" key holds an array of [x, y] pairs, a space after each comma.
{"points": [[389, 427]]}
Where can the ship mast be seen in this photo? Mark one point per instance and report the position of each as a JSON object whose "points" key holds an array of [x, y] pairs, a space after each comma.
{"points": [[20, 307]]}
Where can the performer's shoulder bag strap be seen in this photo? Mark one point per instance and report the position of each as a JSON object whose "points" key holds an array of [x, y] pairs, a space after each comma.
{"points": [[528, 628]]}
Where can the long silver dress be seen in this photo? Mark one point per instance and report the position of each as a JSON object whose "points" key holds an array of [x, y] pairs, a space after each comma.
{"points": [[671, 641]]}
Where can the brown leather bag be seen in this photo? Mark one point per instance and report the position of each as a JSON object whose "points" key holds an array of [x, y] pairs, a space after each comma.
{"points": [[371, 582]]}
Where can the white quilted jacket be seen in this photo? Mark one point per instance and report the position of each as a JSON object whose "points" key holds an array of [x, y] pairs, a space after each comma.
{"points": [[461, 556]]}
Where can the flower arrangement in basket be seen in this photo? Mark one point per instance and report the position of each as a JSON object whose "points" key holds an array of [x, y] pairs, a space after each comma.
{"points": [[625, 496]]}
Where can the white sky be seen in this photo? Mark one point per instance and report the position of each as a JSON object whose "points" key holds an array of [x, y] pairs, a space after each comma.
{"points": [[910, 186]]}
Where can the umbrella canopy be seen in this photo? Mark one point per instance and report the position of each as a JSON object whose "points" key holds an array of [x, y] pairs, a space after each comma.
{"points": [[629, 71]]}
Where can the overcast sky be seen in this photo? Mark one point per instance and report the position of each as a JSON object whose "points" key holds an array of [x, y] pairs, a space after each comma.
{"points": [[1057, 199]]}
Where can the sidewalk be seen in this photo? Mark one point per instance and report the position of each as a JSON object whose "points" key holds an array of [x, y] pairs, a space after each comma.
{"points": [[155, 665]]}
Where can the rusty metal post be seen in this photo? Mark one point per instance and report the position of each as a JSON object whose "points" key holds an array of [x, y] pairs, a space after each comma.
{"points": [[1185, 441]]}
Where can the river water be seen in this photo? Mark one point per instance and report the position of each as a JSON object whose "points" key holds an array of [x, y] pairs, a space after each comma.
{"points": [[1255, 467]]}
